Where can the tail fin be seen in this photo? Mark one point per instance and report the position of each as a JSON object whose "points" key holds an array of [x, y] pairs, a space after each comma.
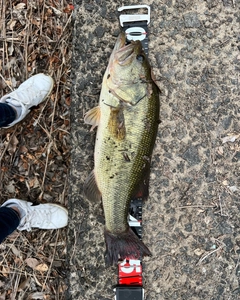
{"points": [[123, 245]]}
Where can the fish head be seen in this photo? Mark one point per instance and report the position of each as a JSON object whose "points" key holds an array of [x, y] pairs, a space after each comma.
{"points": [[127, 71]]}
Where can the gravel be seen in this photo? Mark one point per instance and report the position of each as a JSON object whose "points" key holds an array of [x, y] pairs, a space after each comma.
{"points": [[191, 219]]}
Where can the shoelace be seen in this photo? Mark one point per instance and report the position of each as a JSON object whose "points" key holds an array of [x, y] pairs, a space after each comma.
{"points": [[26, 97], [34, 218]]}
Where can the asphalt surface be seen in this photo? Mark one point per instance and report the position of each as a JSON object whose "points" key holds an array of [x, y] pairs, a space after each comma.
{"points": [[191, 219]]}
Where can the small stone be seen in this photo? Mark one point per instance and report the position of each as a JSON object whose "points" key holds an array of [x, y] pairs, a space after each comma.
{"points": [[191, 156], [188, 227], [238, 271], [100, 31], [191, 20], [227, 122], [228, 243], [236, 158]]}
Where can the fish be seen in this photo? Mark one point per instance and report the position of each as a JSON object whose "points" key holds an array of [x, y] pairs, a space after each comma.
{"points": [[127, 119]]}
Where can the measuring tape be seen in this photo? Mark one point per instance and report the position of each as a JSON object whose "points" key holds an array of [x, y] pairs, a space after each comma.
{"points": [[136, 26], [130, 270]]}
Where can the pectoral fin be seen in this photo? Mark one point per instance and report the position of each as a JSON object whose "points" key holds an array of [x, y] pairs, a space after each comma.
{"points": [[92, 117], [116, 124], [91, 189]]}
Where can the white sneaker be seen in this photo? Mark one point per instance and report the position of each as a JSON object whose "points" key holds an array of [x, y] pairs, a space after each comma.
{"points": [[43, 216], [30, 93]]}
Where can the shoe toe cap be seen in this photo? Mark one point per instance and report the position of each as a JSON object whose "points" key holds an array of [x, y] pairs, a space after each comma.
{"points": [[59, 218]]}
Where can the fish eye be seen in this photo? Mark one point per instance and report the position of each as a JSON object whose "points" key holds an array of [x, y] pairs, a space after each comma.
{"points": [[140, 57]]}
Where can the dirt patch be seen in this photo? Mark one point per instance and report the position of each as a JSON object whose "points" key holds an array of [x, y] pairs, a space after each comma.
{"points": [[34, 154]]}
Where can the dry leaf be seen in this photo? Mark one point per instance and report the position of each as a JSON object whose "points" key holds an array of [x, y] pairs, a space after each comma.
{"points": [[225, 182], [21, 178], [220, 150], [233, 188], [11, 187], [5, 271], [15, 250], [24, 284], [36, 295], [32, 262], [11, 24], [200, 211], [56, 11], [3, 296], [41, 267], [68, 101], [36, 22], [23, 149], [198, 251], [33, 183], [30, 156], [231, 137], [68, 9], [20, 6], [36, 280], [14, 81], [8, 82], [13, 145]]}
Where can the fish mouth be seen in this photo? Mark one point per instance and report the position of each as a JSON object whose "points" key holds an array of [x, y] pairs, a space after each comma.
{"points": [[124, 54], [120, 43]]}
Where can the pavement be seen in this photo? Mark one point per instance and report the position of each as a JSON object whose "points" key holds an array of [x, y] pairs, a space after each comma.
{"points": [[191, 219]]}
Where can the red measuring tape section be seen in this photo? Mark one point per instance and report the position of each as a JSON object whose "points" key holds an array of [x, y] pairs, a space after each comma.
{"points": [[130, 272]]}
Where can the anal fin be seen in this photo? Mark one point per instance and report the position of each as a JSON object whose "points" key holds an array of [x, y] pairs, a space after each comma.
{"points": [[91, 189]]}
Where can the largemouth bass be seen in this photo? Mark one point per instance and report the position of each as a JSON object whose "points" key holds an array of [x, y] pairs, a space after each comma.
{"points": [[127, 118]]}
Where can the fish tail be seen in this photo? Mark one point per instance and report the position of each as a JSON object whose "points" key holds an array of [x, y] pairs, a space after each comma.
{"points": [[123, 245]]}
